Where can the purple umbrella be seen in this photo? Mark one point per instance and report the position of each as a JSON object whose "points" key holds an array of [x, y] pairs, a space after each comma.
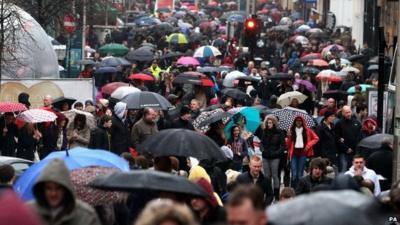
{"points": [[307, 84]]}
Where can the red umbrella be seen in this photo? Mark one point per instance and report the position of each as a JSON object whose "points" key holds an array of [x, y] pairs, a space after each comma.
{"points": [[188, 61], [319, 63], [38, 116], [141, 76], [330, 75], [311, 56], [111, 87], [12, 107], [207, 83]]}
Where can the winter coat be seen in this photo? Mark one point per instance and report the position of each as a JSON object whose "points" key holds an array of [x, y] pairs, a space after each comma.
{"points": [[327, 145], [218, 177], [73, 211], [7, 142], [26, 145], [82, 139], [312, 139], [349, 130], [179, 123], [307, 184], [262, 182], [100, 139], [381, 162], [142, 130], [273, 143], [120, 138]]}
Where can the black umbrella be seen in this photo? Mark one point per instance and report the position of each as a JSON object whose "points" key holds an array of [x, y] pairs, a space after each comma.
{"points": [[310, 70], [356, 57], [164, 28], [142, 54], [140, 100], [234, 93], [281, 76], [114, 62], [249, 78], [59, 102], [220, 43], [86, 62], [196, 37], [147, 180], [172, 55], [182, 142], [374, 141], [335, 94], [107, 69], [189, 79], [220, 115]]}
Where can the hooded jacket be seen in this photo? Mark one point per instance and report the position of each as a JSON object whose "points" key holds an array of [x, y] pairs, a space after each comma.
{"points": [[120, 137], [273, 140], [311, 140], [73, 211]]}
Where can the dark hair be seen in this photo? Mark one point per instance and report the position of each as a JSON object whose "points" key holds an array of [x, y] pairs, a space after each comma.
{"points": [[318, 163], [104, 119], [7, 173], [244, 192], [231, 131], [358, 156], [287, 192], [78, 104], [361, 107], [80, 121], [293, 130]]}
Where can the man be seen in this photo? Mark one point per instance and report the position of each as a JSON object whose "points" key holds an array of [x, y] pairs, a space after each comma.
{"points": [[7, 177], [315, 178], [55, 200], [359, 169], [362, 112], [327, 145], [47, 102], [246, 206], [250, 67], [184, 120], [100, 137], [348, 131], [330, 106], [119, 130], [254, 176], [337, 66], [194, 108], [381, 162], [145, 127]]}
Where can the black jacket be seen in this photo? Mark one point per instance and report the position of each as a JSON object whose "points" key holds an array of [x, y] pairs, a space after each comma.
{"points": [[215, 216], [273, 143], [381, 162], [180, 123], [306, 184], [262, 182], [349, 130], [218, 177], [327, 145], [120, 136], [100, 139]]}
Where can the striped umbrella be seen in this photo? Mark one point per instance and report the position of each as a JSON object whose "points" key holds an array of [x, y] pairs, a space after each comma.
{"points": [[12, 107], [177, 38], [287, 115], [206, 51], [37, 116]]}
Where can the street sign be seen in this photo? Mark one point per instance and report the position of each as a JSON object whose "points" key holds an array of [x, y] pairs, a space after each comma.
{"points": [[69, 23]]}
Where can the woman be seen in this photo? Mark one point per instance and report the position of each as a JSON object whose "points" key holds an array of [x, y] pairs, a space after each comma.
{"points": [[100, 137], [78, 133], [273, 146], [28, 138], [238, 145], [216, 133], [61, 141], [300, 142], [369, 127]]}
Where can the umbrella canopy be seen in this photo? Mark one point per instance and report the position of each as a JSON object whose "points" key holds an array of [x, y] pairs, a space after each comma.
{"points": [[140, 100], [350, 69], [148, 180], [81, 178], [111, 87], [374, 141], [142, 54], [114, 49], [37, 116], [280, 28], [364, 88], [163, 28], [177, 38], [146, 21], [188, 61], [307, 84], [186, 143], [311, 57], [59, 102], [123, 91], [287, 115], [286, 98], [310, 70], [108, 69], [332, 48], [373, 67], [319, 63], [90, 120], [219, 42], [330, 75], [188, 78], [231, 77], [303, 28], [171, 55], [335, 94], [75, 158], [252, 120], [141, 76], [342, 62], [280, 76], [112, 61], [206, 51], [356, 57], [86, 62], [198, 123], [234, 93], [215, 117], [12, 107]]}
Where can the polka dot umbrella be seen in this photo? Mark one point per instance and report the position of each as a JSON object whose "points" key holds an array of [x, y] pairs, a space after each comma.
{"points": [[287, 115]]}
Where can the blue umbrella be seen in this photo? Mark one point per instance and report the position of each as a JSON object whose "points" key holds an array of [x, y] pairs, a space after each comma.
{"points": [[146, 21], [106, 70], [252, 116], [74, 159]]}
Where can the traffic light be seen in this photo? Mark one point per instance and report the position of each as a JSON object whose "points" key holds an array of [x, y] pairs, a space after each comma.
{"points": [[251, 30]]}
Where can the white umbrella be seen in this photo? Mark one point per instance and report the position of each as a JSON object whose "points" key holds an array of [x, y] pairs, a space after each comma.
{"points": [[206, 51], [286, 98], [90, 120], [123, 91], [232, 76], [37, 116], [350, 69]]}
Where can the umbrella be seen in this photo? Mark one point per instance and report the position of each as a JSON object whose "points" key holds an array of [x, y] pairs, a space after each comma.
{"points": [[123, 91], [147, 180], [113, 49], [356, 57], [86, 62], [234, 93], [303, 28], [374, 141], [298, 23], [342, 62], [12, 107], [75, 158], [81, 178], [205, 116], [287, 115], [330, 75], [187, 61], [209, 69], [231, 77], [107, 69], [59, 102], [373, 67], [311, 57], [163, 28], [335, 94], [111, 87], [364, 88], [310, 70], [319, 63], [280, 76], [281, 28], [146, 21], [332, 48], [196, 37], [141, 76], [171, 55], [206, 51], [140, 100], [142, 54], [307, 84], [286, 21], [177, 38], [220, 43], [37, 116], [350, 69], [314, 31], [90, 119], [252, 118], [234, 16], [112, 61], [215, 117], [186, 143], [188, 78], [286, 98]]}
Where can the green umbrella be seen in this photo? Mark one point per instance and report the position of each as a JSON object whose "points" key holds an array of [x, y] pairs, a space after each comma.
{"points": [[114, 49], [364, 88], [177, 38]]}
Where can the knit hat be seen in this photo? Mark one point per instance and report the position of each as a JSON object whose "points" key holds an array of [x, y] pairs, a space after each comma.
{"points": [[328, 113], [119, 109], [207, 187]]}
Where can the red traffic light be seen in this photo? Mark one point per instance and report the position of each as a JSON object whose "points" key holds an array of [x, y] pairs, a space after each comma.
{"points": [[250, 24]]}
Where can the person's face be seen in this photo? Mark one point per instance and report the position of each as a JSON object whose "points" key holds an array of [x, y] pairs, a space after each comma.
{"points": [[79, 107], [299, 123], [47, 101], [331, 103], [108, 124], [250, 65], [151, 116], [370, 125], [255, 167], [316, 172], [65, 107], [54, 194], [8, 118], [198, 204], [347, 113], [245, 214], [358, 163], [254, 71], [331, 118], [236, 132], [186, 117], [270, 124], [194, 106], [295, 102]]}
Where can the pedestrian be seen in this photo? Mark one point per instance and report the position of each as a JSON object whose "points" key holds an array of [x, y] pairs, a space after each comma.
{"points": [[55, 200], [120, 137], [316, 177], [9, 134], [369, 127], [184, 120], [327, 147], [272, 147], [216, 133], [100, 137], [28, 140], [287, 193], [381, 161], [300, 142], [7, 177], [145, 127], [78, 132], [238, 145]]}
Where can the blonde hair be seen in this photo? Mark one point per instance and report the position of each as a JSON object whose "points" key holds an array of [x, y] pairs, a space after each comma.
{"points": [[273, 119]]}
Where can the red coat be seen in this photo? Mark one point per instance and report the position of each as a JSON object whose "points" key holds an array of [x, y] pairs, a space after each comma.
{"points": [[312, 139]]}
